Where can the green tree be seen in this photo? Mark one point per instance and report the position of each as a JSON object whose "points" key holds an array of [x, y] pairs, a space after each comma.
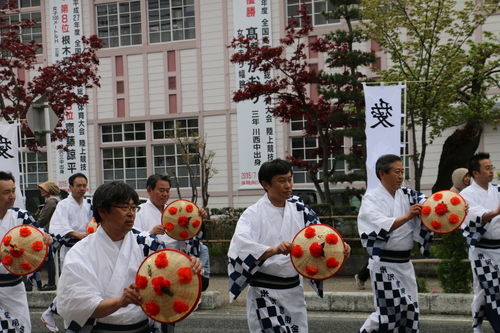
{"points": [[426, 41]]}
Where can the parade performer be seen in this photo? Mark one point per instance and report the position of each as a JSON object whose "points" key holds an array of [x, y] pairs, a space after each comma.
{"points": [[388, 223], [481, 230], [14, 311], [97, 288], [258, 254]]}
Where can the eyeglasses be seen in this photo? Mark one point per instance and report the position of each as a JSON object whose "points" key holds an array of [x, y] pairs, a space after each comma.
{"points": [[489, 168], [133, 209]]}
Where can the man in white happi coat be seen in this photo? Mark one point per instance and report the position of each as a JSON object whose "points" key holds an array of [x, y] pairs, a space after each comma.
{"points": [[14, 311], [97, 288], [388, 223], [258, 255], [481, 230], [150, 217], [68, 225]]}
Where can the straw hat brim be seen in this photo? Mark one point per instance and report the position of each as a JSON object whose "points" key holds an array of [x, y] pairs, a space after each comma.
{"points": [[22, 250], [318, 252], [173, 304], [443, 212], [92, 226], [178, 211]]}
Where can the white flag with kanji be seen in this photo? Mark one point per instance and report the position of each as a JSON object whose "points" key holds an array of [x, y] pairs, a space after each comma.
{"points": [[9, 157]]}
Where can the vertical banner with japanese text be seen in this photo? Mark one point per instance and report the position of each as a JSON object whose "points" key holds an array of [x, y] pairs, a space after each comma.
{"points": [[256, 127], [9, 157], [383, 126], [67, 28]]}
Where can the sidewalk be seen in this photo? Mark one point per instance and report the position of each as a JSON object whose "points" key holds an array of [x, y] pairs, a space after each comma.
{"points": [[341, 294]]}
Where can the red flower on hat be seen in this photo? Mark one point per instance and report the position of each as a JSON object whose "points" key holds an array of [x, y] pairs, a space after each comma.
{"points": [[297, 251], [311, 271], [161, 286], [15, 251], [184, 234], [141, 281], [172, 210], [152, 309], [25, 232], [7, 260], [196, 223], [454, 218], [438, 196], [6, 240], [316, 249], [180, 307], [426, 210], [189, 208], [441, 209], [310, 232], [169, 226], [37, 246], [26, 266], [161, 260], [185, 275], [455, 201], [90, 230], [332, 262], [332, 239], [436, 224], [183, 221]]}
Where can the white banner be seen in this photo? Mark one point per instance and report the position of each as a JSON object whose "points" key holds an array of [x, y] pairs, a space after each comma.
{"points": [[9, 157], [67, 28], [383, 126], [256, 128]]}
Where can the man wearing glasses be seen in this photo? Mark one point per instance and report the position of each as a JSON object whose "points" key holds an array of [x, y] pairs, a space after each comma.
{"points": [[481, 230], [68, 225]]}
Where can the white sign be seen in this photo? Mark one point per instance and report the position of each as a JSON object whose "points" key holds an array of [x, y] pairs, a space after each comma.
{"points": [[383, 126], [67, 28], [256, 127], [9, 157]]}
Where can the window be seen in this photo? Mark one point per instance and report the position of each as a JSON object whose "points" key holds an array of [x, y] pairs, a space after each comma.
{"points": [[23, 3], [314, 8], [171, 20], [169, 159], [175, 128], [304, 147], [127, 164], [123, 132], [33, 168], [119, 24], [33, 33]]}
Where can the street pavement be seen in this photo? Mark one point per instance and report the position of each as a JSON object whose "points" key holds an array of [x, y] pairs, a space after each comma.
{"points": [[232, 317]]}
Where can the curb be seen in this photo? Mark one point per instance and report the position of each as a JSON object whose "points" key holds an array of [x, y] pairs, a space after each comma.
{"points": [[450, 304]]}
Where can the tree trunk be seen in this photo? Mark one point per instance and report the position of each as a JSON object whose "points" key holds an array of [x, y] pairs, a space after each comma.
{"points": [[457, 150]]}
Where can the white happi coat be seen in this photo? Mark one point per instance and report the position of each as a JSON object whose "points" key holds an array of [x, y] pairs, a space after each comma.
{"points": [[70, 216], [97, 269], [150, 216], [261, 226], [480, 202], [378, 211], [14, 311]]}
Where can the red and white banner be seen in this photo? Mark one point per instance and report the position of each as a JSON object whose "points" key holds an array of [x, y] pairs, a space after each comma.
{"points": [[67, 29], [256, 127], [383, 126]]}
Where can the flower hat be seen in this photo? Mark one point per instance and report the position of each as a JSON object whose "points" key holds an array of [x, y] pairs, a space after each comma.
{"points": [[92, 226], [318, 252], [22, 250], [181, 219], [443, 212], [169, 289]]}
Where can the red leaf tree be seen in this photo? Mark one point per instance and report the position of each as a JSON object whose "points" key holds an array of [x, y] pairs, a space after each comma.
{"points": [[287, 92], [57, 82]]}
